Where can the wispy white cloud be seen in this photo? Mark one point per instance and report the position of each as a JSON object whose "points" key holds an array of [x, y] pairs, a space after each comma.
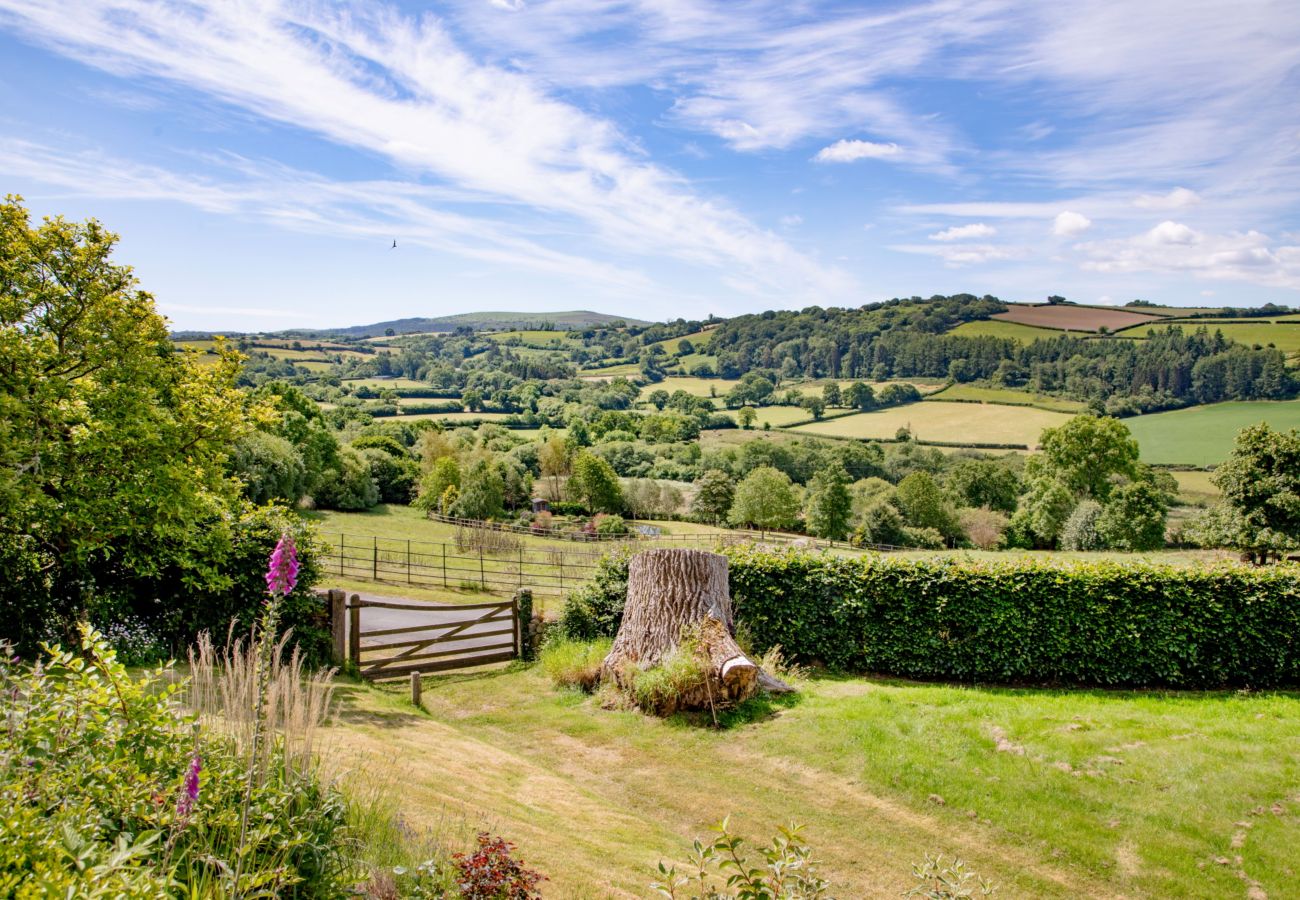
{"points": [[1177, 198], [402, 89], [958, 255], [1070, 223], [964, 232], [844, 151]]}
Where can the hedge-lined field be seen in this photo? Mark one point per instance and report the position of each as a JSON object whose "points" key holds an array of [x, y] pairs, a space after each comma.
{"points": [[985, 423], [1097, 624]]}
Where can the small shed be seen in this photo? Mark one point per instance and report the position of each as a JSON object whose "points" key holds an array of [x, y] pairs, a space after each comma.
{"points": [[541, 504]]}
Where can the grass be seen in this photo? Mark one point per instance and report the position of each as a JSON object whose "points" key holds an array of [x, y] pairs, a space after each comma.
{"points": [[380, 383], [1195, 486], [546, 340], [454, 417], [974, 423], [696, 387], [697, 338], [1281, 333], [610, 371], [1008, 396], [1073, 318], [1050, 793], [1204, 435], [1024, 334]]}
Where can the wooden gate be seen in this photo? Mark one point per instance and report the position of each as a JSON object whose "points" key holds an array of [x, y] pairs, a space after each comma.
{"points": [[430, 638]]}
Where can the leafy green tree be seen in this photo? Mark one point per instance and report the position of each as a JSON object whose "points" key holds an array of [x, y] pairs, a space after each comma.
{"points": [[445, 473], [1134, 518], [765, 499], [926, 505], [482, 493], [746, 416], [714, 494], [659, 399], [814, 405], [1080, 530], [1261, 486], [269, 466], [984, 482], [1044, 511], [594, 484], [112, 446], [860, 396], [831, 394], [829, 509], [348, 486], [394, 476], [1087, 453]]}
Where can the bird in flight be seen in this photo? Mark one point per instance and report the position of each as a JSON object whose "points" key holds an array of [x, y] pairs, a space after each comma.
{"points": [[394, 247]]}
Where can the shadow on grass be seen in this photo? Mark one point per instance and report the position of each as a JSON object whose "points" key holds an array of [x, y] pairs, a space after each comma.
{"points": [[757, 709]]}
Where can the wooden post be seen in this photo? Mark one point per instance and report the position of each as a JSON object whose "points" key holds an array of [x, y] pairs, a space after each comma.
{"points": [[482, 579], [374, 559], [416, 685], [521, 566], [514, 618], [408, 560], [354, 630], [444, 565], [343, 550], [339, 625]]}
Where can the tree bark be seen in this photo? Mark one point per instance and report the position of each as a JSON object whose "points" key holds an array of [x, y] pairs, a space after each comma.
{"points": [[672, 591]]}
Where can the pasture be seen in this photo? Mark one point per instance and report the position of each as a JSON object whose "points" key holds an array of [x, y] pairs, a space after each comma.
{"points": [[1204, 435], [1073, 318], [453, 418], [697, 338], [696, 387], [1049, 793], [1024, 334], [559, 340], [1007, 396], [381, 383], [963, 423]]}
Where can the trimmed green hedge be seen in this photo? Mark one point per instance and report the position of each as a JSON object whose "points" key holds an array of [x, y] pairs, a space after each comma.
{"points": [[1139, 625]]}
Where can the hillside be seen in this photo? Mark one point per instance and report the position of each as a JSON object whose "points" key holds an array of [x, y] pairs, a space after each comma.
{"points": [[482, 321]]}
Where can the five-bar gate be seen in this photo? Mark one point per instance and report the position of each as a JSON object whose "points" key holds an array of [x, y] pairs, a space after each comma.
{"points": [[400, 638]]}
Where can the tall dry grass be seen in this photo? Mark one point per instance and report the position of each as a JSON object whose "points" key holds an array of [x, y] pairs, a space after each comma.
{"points": [[223, 689]]}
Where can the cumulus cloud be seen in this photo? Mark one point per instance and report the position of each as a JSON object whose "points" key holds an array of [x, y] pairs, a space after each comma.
{"points": [[964, 232], [792, 220], [1173, 247], [1178, 198], [1068, 224], [844, 151]]}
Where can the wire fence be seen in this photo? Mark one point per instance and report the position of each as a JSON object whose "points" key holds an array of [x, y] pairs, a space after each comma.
{"points": [[490, 561]]}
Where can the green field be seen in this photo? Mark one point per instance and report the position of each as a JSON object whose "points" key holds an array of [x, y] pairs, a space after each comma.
{"points": [[1284, 335], [966, 423], [1008, 396], [1204, 435], [1024, 334], [698, 338], [560, 340], [1195, 486], [379, 383], [777, 416], [452, 418], [1048, 793], [696, 387], [625, 369]]}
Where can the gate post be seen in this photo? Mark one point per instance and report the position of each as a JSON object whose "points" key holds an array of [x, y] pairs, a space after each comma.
{"points": [[338, 624], [354, 630]]}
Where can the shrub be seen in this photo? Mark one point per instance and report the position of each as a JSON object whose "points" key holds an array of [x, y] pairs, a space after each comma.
{"points": [[610, 525], [595, 610], [1136, 624], [1080, 531], [138, 801], [723, 871], [984, 527], [947, 881], [492, 872], [659, 689], [574, 664]]}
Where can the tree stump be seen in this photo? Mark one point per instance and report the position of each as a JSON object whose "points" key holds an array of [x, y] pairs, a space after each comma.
{"points": [[672, 591]]}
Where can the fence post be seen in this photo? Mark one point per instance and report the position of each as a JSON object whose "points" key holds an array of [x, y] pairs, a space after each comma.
{"points": [[521, 565], [408, 560], [482, 579], [339, 624], [416, 685], [354, 630], [343, 542], [374, 559], [444, 564]]}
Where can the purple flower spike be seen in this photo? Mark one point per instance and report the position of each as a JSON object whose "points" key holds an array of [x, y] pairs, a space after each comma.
{"points": [[190, 792], [282, 574]]}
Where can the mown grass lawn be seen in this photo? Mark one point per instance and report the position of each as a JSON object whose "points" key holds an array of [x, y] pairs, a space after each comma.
{"points": [[1204, 435], [1051, 793]]}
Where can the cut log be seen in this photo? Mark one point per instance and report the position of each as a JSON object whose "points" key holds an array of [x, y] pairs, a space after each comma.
{"points": [[676, 592]]}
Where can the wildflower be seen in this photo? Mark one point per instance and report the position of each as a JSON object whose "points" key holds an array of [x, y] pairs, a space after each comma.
{"points": [[190, 791], [282, 574]]}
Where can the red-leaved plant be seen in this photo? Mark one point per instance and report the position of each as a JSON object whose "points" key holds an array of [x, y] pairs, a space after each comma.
{"points": [[492, 872]]}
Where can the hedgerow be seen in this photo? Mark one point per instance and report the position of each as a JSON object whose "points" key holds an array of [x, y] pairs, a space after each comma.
{"points": [[1121, 624]]}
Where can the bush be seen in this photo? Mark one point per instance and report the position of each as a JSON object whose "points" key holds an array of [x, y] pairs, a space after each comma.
{"points": [[574, 664], [610, 525], [492, 872], [721, 870], [1080, 531], [595, 610], [659, 690], [1033, 621], [137, 801]]}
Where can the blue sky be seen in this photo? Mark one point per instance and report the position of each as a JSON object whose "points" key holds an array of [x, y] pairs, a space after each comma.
{"points": [[660, 158]]}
